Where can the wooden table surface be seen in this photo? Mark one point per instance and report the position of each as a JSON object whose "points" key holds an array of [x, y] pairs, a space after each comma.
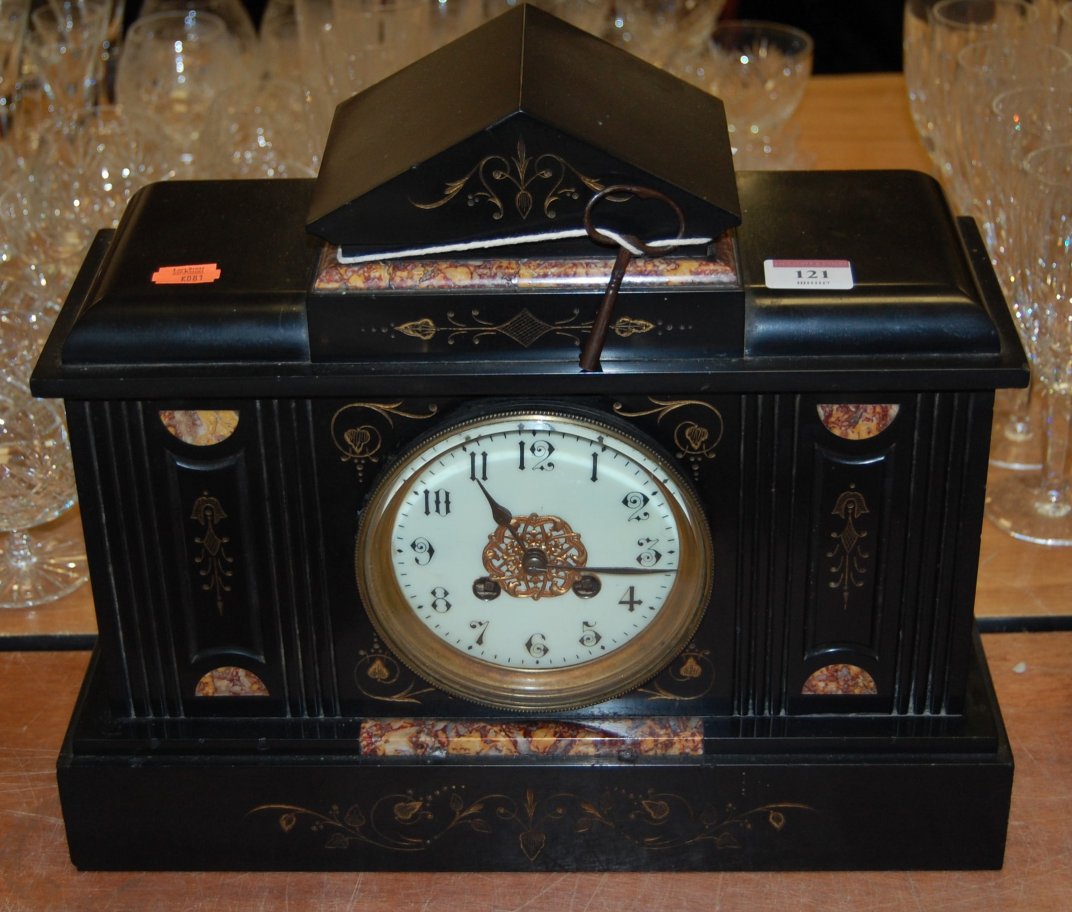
{"points": [[845, 122]]}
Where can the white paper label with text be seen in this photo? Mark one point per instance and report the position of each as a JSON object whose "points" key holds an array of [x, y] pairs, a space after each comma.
{"points": [[821, 274]]}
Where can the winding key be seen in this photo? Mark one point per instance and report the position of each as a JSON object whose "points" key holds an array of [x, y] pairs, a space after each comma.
{"points": [[628, 246]]}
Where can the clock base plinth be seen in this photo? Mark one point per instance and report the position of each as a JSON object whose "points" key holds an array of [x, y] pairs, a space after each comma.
{"points": [[306, 801]]}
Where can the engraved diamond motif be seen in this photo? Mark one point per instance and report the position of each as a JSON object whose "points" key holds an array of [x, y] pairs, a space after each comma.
{"points": [[525, 328]]}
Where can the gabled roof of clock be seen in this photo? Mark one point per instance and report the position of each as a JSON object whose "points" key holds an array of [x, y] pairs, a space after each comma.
{"points": [[522, 86]]}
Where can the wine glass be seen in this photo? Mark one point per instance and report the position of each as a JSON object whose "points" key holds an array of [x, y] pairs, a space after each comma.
{"points": [[83, 174], [1038, 508], [262, 131], [27, 313], [378, 37], [13, 24], [953, 25], [173, 66], [280, 41], [660, 30], [36, 486], [319, 44], [1064, 25], [593, 16], [236, 20], [916, 67], [760, 71], [66, 45], [9, 174], [984, 70], [24, 241], [1019, 120]]}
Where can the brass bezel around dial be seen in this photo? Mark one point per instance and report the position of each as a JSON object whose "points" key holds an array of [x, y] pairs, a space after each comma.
{"points": [[463, 674]]}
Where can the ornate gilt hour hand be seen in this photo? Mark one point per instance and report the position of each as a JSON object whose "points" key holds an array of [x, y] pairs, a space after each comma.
{"points": [[502, 516], [499, 513]]}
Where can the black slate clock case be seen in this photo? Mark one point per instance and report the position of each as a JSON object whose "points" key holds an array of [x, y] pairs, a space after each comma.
{"points": [[836, 436]]}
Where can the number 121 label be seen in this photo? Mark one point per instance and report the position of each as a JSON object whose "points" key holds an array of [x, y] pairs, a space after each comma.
{"points": [[822, 274]]}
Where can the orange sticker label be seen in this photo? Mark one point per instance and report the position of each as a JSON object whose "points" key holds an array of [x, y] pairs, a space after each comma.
{"points": [[194, 274]]}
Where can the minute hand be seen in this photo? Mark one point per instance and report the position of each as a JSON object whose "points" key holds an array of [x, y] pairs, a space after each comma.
{"points": [[623, 571]]}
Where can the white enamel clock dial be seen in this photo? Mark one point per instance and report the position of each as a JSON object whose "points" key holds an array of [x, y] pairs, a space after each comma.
{"points": [[532, 560]]}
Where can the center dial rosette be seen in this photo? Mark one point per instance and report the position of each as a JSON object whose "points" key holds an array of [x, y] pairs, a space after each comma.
{"points": [[535, 556]]}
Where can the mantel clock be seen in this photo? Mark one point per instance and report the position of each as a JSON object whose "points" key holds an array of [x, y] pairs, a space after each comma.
{"points": [[386, 579]]}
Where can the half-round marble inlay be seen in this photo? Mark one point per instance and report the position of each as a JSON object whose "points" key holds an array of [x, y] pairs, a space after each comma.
{"points": [[230, 681], [840, 679], [857, 421], [200, 427]]}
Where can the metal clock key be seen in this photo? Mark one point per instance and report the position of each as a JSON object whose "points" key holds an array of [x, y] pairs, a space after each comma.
{"points": [[629, 245]]}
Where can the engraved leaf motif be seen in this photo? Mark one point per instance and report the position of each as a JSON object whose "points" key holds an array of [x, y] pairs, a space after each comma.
{"points": [[472, 809], [423, 329], [406, 811], [523, 202], [591, 809], [379, 671], [690, 668], [656, 810], [849, 537], [523, 172], [532, 843], [631, 326], [337, 841], [696, 437], [850, 504], [521, 160], [450, 190], [361, 441], [287, 822], [355, 817], [212, 541], [776, 819]]}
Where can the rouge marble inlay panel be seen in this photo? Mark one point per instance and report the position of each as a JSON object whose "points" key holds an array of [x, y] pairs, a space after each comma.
{"points": [[664, 737]]}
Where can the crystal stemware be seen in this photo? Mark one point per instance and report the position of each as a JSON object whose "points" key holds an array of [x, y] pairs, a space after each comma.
{"points": [[172, 67], [236, 20], [66, 45], [984, 71], [760, 71], [1017, 122], [377, 38], [83, 174], [13, 23], [264, 130], [660, 30], [953, 25], [1064, 25], [916, 68], [36, 486], [1038, 507]]}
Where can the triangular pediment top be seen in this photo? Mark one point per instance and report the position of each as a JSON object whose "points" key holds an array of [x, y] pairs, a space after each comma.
{"points": [[414, 129]]}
